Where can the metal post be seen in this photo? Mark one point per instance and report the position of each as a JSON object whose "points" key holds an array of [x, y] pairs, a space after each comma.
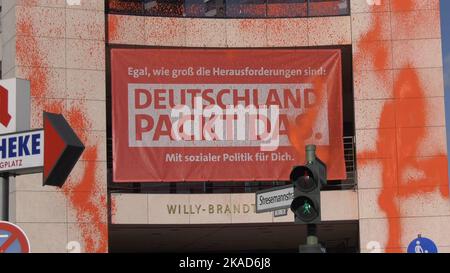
{"points": [[307, 8], [4, 198], [310, 153], [312, 241], [311, 238]]}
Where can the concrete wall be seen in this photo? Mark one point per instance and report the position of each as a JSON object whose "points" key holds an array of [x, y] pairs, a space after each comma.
{"points": [[219, 208], [400, 122], [60, 49], [399, 106], [399, 109], [186, 32]]}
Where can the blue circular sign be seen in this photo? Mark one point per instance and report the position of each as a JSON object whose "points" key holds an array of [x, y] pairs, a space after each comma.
{"points": [[422, 245]]}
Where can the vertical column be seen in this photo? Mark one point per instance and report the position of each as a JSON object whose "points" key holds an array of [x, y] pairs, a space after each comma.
{"points": [[402, 158], [4, 199], [40, 48], [86, 107], [423, 191], [59, 47], [374, 118]]}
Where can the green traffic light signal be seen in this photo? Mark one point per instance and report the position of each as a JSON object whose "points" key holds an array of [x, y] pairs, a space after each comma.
{"points": [[307, 208]]}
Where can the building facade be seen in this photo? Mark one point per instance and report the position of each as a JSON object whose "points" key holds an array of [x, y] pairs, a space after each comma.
{"points": [[393, 113]]}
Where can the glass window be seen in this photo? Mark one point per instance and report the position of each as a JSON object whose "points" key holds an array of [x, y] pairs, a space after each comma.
{"points": [[164, 7], [328, 7], [287, 8], [204, 8], [231, 8], [246, 8], [131, 6]]}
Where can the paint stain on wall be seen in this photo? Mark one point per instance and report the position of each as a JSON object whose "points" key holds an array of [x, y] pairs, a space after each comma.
{"points": [[410, 111], [403, 130], [399, 5], [113, 31], [84, 195], [297, 132], [88, 207]]}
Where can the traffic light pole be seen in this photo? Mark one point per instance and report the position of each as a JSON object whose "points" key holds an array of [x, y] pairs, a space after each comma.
{"points": [[312, 241], [4, 198], [310, 153], [311, 238]]}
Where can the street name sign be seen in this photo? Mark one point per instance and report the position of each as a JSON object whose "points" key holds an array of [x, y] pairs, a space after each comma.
{"points": [[274, 199]]}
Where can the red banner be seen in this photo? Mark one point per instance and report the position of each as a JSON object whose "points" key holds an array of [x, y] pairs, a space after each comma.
{"points": [[224, 114]]}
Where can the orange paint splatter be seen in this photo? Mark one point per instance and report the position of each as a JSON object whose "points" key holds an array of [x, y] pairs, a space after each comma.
{"points": [[113, 208], [79, 123], [113, 25], [301, 129], [90, 218], [82, 195], [377, 52], [402, 5], [408, 134]]}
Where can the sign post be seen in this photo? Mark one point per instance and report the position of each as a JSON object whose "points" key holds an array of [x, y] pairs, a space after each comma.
{"points": [[4, 195]]}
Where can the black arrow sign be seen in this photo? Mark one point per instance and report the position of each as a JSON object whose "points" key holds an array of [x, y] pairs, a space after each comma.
{"points": [[62, 149]]}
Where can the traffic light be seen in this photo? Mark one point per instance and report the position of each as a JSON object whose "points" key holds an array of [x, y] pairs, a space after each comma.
{"points": [[308, 181]]}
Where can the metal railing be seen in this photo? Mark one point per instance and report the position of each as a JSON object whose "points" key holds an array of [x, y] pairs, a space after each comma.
{"points": [[231, 8], [350, 166], [350, 159]]}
